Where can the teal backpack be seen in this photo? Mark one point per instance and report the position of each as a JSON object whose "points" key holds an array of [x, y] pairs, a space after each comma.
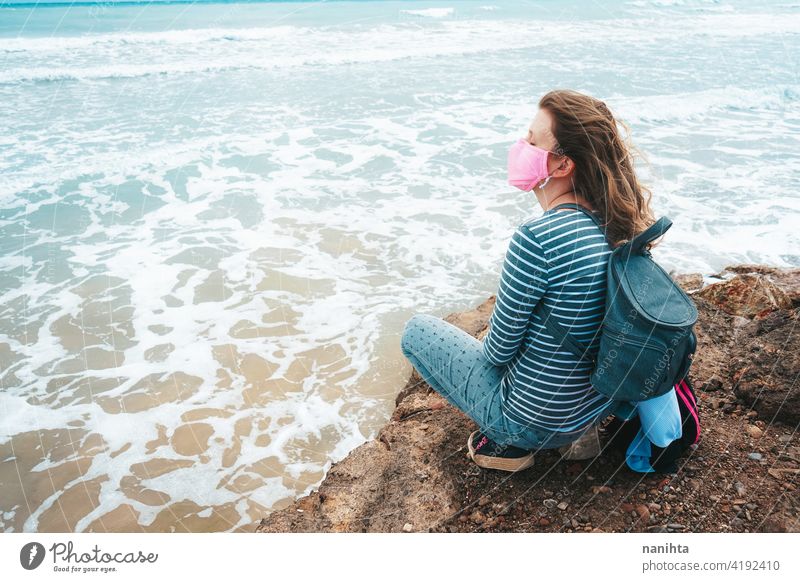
{"points": [[647, 339]]}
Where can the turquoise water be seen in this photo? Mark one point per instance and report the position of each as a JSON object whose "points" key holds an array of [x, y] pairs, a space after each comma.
{"points": [[216, 217]]}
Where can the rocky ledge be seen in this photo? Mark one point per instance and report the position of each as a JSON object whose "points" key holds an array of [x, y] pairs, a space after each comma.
{"points": [[741, 476]]}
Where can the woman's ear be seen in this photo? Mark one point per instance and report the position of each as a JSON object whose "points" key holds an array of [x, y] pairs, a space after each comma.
{"points": [[564, 168]]}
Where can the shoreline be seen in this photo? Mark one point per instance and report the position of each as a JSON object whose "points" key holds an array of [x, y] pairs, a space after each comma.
{"points": [[742, 476]]}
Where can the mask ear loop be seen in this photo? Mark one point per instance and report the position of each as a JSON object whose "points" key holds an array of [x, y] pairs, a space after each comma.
{"points": [[545, 183], [558, 152]]}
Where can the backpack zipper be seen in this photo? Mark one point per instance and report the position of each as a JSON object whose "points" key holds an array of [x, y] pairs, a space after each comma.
{"points": [[635, 340]]}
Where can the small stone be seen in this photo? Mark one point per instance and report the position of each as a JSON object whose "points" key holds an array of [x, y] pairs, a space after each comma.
{"points": [[785, 438], [562, 506], [644, 513], [740, 488], [483, 501], [600, 489], [642, 495], [654, 506], [676, 526], [408, 527], [423, 427], [544, 522], [477, 517], [754, 431], [751, 414], [626, 507], [751, 506], [755, 456], [550, 503], [712, 384]]}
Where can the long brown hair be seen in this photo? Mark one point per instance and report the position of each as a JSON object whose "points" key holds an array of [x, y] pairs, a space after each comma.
{"points": [[587, 132]]}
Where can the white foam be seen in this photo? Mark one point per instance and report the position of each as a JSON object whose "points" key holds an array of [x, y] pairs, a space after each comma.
{"points": [[131, 55], [430, 12]]}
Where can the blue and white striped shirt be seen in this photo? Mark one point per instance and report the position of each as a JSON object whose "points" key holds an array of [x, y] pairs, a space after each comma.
{"points": [[559, 258]]}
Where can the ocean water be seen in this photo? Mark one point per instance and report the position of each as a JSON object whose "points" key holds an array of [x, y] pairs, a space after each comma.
{"points": [[216, 218]]}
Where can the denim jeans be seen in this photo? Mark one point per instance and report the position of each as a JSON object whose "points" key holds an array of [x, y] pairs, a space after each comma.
{"points": [[452, 362]]}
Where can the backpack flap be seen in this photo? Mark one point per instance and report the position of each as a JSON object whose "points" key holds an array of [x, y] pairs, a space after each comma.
{"points": [[651, 291]]}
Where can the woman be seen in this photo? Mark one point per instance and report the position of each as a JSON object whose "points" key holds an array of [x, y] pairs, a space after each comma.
{"points": [[520, 385]]}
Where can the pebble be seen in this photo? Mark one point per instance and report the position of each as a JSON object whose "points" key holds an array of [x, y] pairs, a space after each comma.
{"points": [[713, 384], [408, 527], [477, 517], [600, 489], [643, 512], [754, 431], [550, 503], [740, 488], [785, 438], [483, 501], [751, 506], [562, 506], [676, 526], [755, 456], [544, 522]]}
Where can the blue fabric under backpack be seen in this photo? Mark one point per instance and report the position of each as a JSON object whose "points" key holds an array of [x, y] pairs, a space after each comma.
{"points": [[654, 433]]}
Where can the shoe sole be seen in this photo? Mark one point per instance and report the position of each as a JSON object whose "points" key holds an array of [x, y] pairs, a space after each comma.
{"points": [[584, 452], [499, 463]]}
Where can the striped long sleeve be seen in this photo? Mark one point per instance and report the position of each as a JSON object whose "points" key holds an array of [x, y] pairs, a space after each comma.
{"points": [[523, 281]]}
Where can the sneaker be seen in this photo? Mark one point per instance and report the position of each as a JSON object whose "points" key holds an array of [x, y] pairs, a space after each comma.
{"points": [[585, 447], [490, 455]]}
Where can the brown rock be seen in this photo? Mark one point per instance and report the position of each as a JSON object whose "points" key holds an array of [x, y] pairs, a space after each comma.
{"points": [[747, 295], [689, 282], [754, 431], [765, 363]]}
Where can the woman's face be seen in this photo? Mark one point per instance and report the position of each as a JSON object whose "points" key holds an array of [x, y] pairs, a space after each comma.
{"points": [[539, 131]]}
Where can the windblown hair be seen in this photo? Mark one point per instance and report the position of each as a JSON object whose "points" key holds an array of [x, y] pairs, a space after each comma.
{"points": [[587, 133]]}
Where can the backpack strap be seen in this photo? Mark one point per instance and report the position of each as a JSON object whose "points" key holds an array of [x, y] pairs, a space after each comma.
{"points": [[558, 331], [586, 211], [654, 231]]}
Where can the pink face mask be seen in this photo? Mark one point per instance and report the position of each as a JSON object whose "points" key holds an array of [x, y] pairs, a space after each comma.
{"points": [[527, 165]]}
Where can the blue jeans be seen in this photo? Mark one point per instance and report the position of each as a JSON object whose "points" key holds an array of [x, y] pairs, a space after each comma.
{"points": [[452, 362]]}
